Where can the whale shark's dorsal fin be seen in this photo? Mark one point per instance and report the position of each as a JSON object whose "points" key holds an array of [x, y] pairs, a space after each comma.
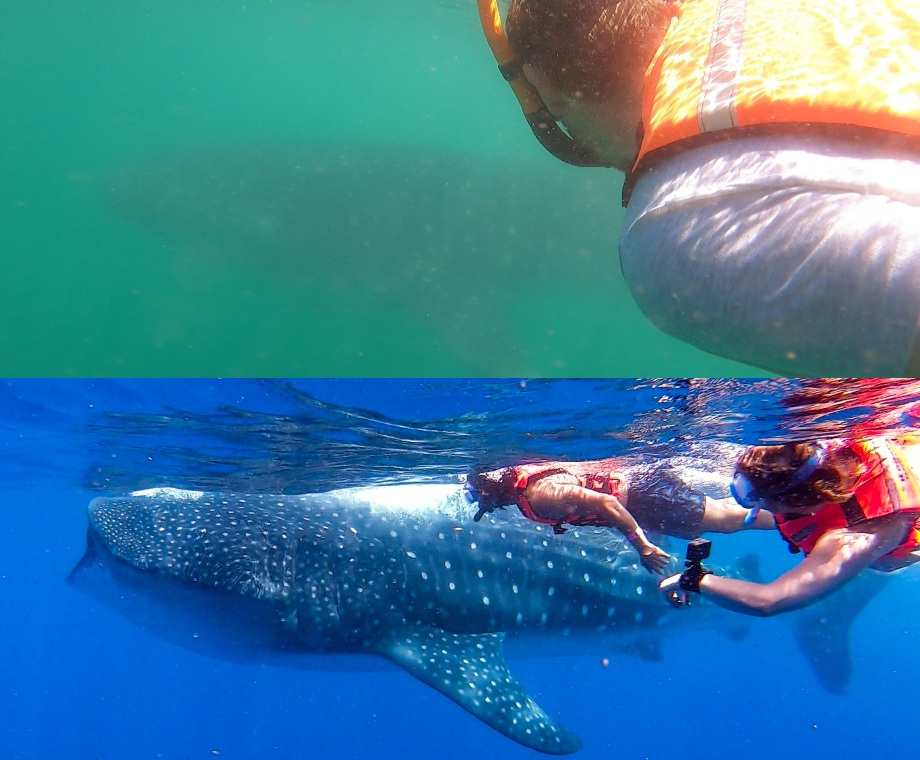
{"points": [[823, 631], [471, 670]]}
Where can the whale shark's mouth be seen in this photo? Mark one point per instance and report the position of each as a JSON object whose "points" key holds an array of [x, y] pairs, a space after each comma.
{"points": [[97, 557], [99, 573]]}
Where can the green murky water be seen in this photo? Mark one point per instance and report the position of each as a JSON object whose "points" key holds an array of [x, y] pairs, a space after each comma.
{"points": [[317, 188]]}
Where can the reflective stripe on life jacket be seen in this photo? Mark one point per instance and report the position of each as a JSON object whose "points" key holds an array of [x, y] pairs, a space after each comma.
{"points": [[725, 64], [591, 475], [887, 485]]}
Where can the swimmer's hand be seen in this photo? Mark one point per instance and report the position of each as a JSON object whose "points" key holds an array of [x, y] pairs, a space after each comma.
{"points": [[653, 559], [672, 592]]}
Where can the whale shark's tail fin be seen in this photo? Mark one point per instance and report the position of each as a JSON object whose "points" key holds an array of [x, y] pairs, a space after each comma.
{"points": [[471, 670], [823, 631]]}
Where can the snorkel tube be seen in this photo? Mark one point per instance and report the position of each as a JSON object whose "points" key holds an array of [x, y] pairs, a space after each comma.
{"points": [[542, 123], [474, 498]]}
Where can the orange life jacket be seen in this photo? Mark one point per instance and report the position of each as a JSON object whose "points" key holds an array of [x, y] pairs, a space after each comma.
{"points": [[887, 485], [595, 475], [729, 64]]}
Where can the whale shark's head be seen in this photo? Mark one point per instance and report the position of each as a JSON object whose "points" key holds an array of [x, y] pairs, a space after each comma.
{"points": [[242, 545], [169, 565], [133, 530], [119, 541]]}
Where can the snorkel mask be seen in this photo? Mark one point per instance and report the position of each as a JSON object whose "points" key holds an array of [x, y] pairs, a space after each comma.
{"points": [[483, 502], [542, 122], [750, 498]]}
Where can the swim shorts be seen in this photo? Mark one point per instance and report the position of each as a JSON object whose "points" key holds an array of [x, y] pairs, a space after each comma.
{"points": [[793, 254], [661, 501]]}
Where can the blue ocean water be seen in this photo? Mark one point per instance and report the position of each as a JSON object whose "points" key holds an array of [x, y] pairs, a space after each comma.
{"points": [[78, 681]]}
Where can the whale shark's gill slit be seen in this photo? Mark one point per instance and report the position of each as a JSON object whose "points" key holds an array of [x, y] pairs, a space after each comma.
{"points": [[471, 670]]}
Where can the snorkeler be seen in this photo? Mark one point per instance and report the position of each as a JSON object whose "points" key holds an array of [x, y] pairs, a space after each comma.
{"points": [[633, 498], [771, 153], [847, 504]]}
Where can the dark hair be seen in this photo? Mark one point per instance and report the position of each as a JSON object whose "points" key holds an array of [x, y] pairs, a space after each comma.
{"points": [[770, 468], [493, 489], [590, 47]]}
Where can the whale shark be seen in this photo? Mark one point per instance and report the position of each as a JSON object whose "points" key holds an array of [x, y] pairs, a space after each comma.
{"points": [[464, 244], [402, 572]]}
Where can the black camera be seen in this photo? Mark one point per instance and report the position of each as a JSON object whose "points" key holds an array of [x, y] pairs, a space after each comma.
{"points": [[698, 550]]}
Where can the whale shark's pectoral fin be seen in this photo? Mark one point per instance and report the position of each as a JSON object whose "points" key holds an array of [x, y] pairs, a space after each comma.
{"points": [[471, 670], [823, 630]]}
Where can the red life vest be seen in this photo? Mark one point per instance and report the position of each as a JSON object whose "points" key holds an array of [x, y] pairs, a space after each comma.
{"points": [[887, 485], [595, 475]]}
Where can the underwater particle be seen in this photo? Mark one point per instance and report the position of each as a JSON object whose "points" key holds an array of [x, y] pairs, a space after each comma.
{"points": [[605, 662]]}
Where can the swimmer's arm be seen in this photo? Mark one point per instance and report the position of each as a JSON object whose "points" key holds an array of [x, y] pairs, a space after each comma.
{"points": [[727, 516], [837, 557]]}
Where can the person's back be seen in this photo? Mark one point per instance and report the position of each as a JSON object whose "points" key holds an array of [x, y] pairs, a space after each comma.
{"points": [[634, 496]]}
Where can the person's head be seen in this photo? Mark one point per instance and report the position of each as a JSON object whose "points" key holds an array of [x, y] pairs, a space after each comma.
{"points": [[795, 477], [588, 48], [491, 490], [588, 58]]}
